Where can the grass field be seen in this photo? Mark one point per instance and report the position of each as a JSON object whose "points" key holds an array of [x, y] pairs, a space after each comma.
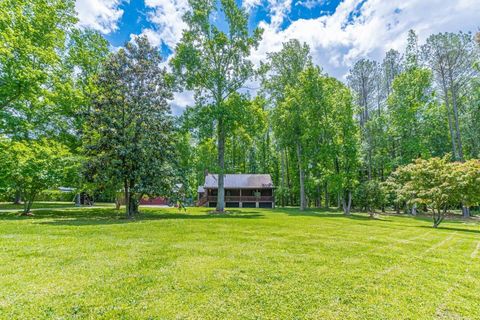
{"points": [[47, 204], [250, 264]]}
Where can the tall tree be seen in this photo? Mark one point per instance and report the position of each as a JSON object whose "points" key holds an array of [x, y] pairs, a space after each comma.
{"points": [[130, 125], [291, 121], [362, 80], [215, 64], [281, 71], [391, 68], [451, 57], [406, 108]]}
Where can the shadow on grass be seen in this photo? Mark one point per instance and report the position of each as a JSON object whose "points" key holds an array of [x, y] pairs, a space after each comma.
{"points": [[109, 216], [329, 213], [452, 229]]}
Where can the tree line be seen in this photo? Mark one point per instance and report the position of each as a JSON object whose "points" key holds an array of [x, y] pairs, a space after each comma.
{"points": [[105, 116]]}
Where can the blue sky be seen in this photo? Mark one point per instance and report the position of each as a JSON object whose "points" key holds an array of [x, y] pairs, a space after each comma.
{"points": [[136, 13], [339, 32]]}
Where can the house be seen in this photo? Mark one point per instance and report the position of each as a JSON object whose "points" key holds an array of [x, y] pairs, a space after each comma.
{"points": [[241, 191], [163, 201]]}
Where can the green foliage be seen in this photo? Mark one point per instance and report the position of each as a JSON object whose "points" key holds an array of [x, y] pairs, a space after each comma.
{"points": [[56, 195], [33, 166], [215, 65], [32, 37], [130, 128], [407, 106], [369, 195], [438, 184]]}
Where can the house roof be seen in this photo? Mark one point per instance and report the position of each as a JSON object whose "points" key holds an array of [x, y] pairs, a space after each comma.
{"points": [[200, 189], [236, 181]]}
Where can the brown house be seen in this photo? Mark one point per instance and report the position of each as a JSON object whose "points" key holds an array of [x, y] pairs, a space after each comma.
{"points": [[241, 191]]}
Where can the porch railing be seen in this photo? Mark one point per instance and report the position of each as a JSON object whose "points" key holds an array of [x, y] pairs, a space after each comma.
{"points": [[242, 199]]}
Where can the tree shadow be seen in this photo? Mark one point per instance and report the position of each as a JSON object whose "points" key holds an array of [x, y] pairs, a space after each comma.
{"points": [[330, 213], [110, 216], [450, 219], [451, 229]]}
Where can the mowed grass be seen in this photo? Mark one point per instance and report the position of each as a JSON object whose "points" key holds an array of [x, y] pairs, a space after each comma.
{"points": [[47, 204], [249, 264]]}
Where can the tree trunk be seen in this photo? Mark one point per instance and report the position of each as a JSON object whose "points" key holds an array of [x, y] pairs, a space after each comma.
{"points": [[318, 201], [455, 118], [465, 211], [127, 198], [347, 203], [18, 197], [28, 202], [133, 205], [303, 204], [414, 209], [289, 186], [117, 203], [221, 164], [327, 196], [449, 117], [438, 217], [282, 179]]}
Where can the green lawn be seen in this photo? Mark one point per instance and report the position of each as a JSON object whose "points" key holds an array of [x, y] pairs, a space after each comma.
{"points": [[47, 204], [251, 264]]}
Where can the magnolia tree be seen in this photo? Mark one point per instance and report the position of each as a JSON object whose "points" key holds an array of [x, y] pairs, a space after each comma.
{"points": [[33, 166], [438, 184], [130, 133]]}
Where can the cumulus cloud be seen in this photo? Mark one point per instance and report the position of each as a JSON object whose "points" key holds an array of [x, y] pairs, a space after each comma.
{"points": [[369, 29], [181, 100], [167, 17], [357, 28], [101, 15]]}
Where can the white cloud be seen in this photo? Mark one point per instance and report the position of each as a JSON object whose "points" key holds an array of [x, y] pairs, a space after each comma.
{"points": [[181, 100], [167, 16], [250, 4], [338, 40], [310, 4], [356, 29], [101, 15]]}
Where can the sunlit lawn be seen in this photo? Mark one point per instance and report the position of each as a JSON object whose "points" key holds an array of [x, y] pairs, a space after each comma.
{"points": [[250, 264], [47, 204]]}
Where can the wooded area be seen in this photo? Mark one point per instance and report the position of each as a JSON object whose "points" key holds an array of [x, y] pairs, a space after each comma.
{"points": [[400, 134]]}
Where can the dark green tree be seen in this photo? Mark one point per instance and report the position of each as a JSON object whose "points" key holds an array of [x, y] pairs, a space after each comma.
{"points": [[130, 131]]}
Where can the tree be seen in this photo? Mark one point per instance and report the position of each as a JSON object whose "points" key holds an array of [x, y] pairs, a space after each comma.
{"points": [[282, 70], [451, 57], [129, 137], [406, 108], [369, 195], [344, 155], [215, 63], [429, 182], [362, 80], [467, 180], [391, 68], [33, 166], [290, 118], [412, 51], [32, 37]]}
